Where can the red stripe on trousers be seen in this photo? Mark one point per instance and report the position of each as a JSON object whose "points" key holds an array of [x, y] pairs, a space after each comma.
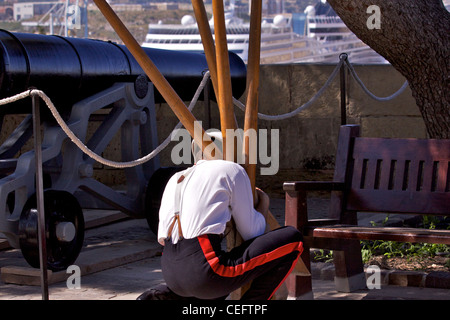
{"points": [[234, 271], [289, 272]]}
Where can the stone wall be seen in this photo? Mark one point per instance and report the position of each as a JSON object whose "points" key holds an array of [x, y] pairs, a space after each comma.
{"points": [[307, 141]]}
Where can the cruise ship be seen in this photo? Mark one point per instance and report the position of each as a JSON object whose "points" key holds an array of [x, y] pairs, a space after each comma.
{"points": [[316, 35]]}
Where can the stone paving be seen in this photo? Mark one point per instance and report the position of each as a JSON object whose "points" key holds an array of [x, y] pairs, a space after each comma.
{"points": [[125, 260]]}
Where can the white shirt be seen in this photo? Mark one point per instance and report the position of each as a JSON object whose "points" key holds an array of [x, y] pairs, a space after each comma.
{"points": [[211, 194]]}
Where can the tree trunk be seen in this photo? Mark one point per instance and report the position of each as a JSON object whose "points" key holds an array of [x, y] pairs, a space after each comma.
{"points": [[415, 38]]}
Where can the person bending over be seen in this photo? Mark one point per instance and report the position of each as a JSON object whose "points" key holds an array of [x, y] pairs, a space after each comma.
{"points": [[196, 206]]}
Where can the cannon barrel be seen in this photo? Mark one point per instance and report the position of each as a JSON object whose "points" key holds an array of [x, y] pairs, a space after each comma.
{"points": [[70, 69]]}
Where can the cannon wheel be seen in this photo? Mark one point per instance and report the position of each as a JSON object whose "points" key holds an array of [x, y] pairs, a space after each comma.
{"points": [[153, 195], [64, 225]]}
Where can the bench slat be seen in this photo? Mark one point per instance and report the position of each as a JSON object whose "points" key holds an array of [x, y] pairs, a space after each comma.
{"points": [[402, 149], [437, 203], [442, 176], [383, 233]]}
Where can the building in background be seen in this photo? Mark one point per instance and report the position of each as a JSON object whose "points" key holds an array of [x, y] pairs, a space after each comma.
{"points": [[27, 10]]}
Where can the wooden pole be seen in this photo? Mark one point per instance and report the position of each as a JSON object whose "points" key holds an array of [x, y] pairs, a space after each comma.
{"points": [[251, 111], [207, 40], [225, 98], [162, 85]]}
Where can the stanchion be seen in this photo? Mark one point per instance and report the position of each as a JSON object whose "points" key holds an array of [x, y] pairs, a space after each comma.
{"points": [[343, 57], [207, 103], [40, 195]]}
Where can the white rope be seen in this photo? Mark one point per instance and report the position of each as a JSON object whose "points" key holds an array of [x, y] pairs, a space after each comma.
{"points": [[164, 144], [15, 97], [82, 146], [370, 94], [284, 116]]}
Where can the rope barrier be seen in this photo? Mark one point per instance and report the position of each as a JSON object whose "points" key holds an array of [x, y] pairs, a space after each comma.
{"points": [[370, 94], [16, 97], [82, 146], [343, 61], [299, 109]]}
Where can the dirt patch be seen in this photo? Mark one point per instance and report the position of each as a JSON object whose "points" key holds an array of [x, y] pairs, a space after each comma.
{"points": [[412, 263]]}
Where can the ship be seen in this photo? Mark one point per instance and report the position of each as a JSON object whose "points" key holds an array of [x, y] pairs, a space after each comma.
{"points": [[317, 35]]}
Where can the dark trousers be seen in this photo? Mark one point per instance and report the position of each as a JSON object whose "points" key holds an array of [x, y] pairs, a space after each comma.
{"points": [[199, 268]]}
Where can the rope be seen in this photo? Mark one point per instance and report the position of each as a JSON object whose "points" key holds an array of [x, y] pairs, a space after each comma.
{"points": [[240, 105], [370, 94], [343, 60], [299, 109], [15, 98], [82, 146]]}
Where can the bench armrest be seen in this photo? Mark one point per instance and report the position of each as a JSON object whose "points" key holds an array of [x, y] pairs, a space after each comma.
{"points": [[296, 212], [313, 186]]}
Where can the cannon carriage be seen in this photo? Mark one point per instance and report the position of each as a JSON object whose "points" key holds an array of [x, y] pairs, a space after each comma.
{"points": [[87, 80]]}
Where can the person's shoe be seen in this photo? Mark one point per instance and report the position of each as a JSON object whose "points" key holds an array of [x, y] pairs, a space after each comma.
{"points": [[160, 292]]}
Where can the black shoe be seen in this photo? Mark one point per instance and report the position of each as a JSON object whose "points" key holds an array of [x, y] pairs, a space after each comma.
{"points": [[160, 292]]}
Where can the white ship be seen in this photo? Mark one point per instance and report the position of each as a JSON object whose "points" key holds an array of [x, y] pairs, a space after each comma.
{"points": [[317, 35]]}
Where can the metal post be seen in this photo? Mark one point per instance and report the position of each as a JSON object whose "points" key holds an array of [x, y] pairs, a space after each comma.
{"points": [[66, 30], [343, 57], [207, 103], [85, 15], [40, 196], [51, 24]]}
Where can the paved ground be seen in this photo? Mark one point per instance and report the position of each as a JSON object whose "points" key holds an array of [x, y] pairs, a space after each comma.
{"points": [[129, 252]]}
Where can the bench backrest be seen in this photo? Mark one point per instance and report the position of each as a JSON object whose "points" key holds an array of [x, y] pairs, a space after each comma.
{"points": [[397, 175]]}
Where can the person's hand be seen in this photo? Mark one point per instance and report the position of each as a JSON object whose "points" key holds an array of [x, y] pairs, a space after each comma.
{"points": [[262, 202]]}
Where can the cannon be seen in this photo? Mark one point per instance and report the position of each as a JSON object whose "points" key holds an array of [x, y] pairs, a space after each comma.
{"points": [[102, 93]]}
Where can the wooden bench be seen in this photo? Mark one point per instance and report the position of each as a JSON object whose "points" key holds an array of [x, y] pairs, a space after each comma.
{"points": [[409, 176]]}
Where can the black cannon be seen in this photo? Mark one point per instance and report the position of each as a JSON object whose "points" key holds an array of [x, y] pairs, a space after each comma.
{"points": [[70, 69], [88, 81]]}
